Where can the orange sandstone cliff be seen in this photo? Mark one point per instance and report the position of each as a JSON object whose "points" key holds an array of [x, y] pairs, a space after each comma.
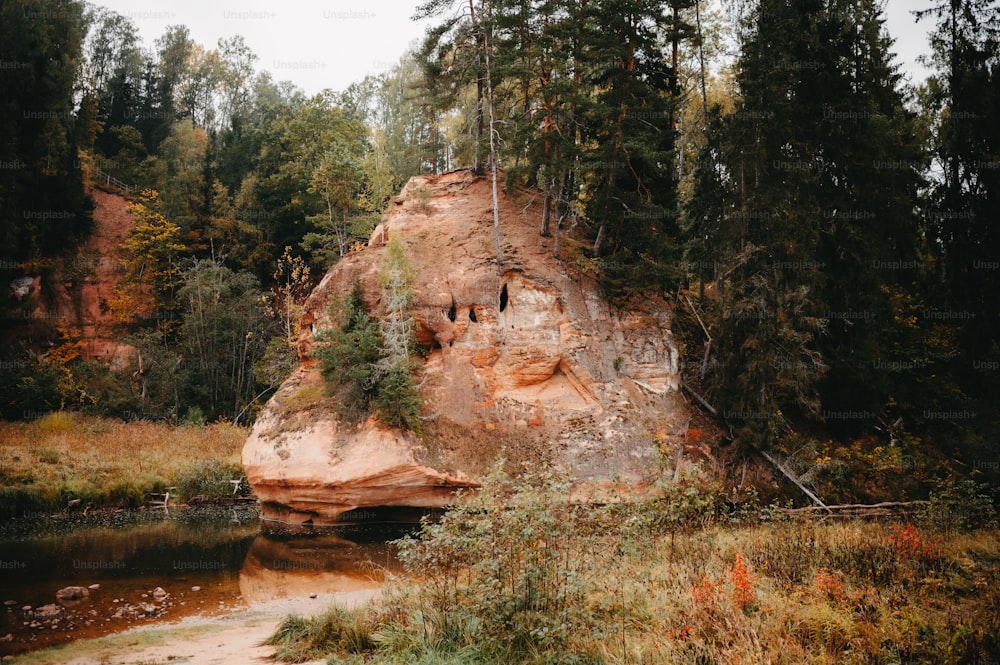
{"points": [[531, 363]]}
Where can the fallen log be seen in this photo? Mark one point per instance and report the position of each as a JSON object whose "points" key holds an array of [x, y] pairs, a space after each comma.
{"points": [[854, 506], [792, 477]]}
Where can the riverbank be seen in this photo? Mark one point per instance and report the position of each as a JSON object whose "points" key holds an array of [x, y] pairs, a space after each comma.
{"points": [[236, 638], [67, 462], [151, 567], [524, 574]]}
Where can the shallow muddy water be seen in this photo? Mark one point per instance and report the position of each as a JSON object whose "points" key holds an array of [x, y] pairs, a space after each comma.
{"points": [[206, 560]]}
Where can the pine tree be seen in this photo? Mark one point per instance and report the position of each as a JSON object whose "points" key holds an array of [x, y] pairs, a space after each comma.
{"points": [[868, 226], [397, 401], [629, 172], [43, 209], [802, 209], [766, 234], [962, 211]]}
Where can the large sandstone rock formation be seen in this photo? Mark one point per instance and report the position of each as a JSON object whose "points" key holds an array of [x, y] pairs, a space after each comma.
{"points": [[531, 363]]}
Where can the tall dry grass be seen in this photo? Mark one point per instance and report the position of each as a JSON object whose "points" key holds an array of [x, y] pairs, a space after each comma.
{"points": [[523, 576], [64, 457]]}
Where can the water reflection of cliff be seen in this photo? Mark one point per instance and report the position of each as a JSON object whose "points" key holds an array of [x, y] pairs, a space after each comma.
{"points": [[297, 566]]}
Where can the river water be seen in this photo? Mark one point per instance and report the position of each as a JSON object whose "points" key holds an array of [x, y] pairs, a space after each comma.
{"points": [[207, 561]]}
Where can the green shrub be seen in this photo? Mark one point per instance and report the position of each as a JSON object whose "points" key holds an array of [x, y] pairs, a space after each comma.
{"points": [[29, 387], [24, 500], [505, 570], [112, 395], [126, 494], [194, 417], [397, 401], [367, 373], [962, 505]]}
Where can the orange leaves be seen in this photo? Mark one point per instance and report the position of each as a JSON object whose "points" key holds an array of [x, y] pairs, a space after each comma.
{"points": [[909, 544], [705, 594], [709, 593], [69, 348], [827, 582], [742, 584]]}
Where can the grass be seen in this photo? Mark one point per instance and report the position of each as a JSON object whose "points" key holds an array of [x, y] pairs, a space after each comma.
{"points": [[64, 456], [529, 577], [337, 630], [109, 649]]}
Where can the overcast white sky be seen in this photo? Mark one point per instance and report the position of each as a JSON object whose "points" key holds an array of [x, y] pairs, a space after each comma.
{"points": [[317, 44]]}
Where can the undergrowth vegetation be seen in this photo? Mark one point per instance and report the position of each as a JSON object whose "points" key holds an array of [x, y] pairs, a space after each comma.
{"points": [[67, 461], [520, 573], [368, 360]]}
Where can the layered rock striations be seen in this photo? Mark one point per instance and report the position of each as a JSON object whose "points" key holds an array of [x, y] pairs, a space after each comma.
{"points": [[531, 363]]}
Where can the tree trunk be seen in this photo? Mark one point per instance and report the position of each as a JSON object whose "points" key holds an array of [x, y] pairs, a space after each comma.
{"points": [[493, 152], [477, 164], [598, 242], [674, 78], [342, 233], [546, 208], [701, 59]]}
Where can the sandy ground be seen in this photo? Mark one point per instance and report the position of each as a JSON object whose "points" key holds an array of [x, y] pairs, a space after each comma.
{"points": [[233, 639]]}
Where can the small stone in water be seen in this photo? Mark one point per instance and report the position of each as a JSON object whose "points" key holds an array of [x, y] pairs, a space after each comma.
{"points": [[196, 588], [94, 587], [48, 611], [312, 595], [72, 593]]}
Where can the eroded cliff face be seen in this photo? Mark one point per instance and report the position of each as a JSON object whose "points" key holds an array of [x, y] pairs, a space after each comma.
{"points": [[531, 363], [81, 289]]}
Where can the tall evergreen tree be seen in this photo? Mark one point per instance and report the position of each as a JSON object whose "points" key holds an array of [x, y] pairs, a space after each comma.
{"points": [[790, 204], [42, 204], [962, 211], [868, 227], [629, 172]]}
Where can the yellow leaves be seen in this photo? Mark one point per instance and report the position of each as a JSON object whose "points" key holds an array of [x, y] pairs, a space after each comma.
{"points": [[150, 262], [70, 347]]}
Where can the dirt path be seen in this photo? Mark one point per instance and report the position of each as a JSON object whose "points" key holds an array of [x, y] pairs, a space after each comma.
{"points": [[232, 639]]}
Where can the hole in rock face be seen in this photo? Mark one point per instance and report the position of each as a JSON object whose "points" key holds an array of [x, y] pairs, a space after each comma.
{"points": [[451, 312], [503, 298], [472, 314]]}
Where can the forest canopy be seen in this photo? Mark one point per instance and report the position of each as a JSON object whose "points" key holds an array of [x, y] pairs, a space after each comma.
{"points": [[826, 228]]}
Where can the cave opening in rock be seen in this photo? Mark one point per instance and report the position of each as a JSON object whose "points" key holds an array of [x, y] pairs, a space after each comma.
{"points": [[503, 298], [452, 313], [472, 315]]}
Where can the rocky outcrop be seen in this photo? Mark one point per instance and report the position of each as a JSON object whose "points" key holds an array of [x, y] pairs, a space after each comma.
{"points": [[80, 289], [530, 362]]}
